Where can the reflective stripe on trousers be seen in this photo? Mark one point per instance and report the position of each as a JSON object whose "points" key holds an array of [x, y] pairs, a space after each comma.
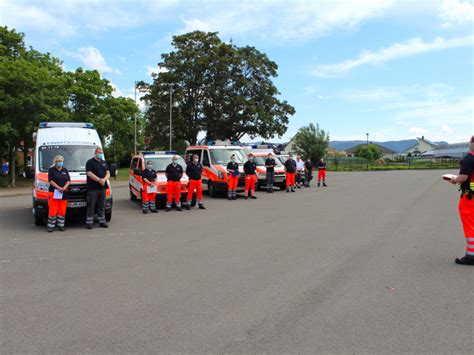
{"points": [[466, 212]]}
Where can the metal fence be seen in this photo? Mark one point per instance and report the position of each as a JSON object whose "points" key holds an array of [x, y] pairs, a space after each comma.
{"points": [[361, 164]]}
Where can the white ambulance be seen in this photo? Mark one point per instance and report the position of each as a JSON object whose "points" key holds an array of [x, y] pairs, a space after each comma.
{"points": [[76, 142]]}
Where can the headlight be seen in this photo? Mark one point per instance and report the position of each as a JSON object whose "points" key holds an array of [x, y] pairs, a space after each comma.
{"points": [[41, 185], [261, 175]]}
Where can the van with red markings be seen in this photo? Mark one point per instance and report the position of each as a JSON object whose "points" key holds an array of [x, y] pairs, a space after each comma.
{"points": [[260, 156], [160, 161], [214, 157], [76, 142]]}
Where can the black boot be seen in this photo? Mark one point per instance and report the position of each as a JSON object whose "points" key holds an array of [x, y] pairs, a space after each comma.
{"points": [[253, 197], [188, 206], [319, 184], [324, 184], [50, 229], [465, 260], [201, 206]]}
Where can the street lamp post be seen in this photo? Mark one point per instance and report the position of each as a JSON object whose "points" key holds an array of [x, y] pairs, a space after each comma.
{"points": [[135, 122], [171, 117]]}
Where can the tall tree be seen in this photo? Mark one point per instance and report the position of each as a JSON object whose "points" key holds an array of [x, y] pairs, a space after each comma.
{"points": [[32, 89], [311, 142], [218, 88]]}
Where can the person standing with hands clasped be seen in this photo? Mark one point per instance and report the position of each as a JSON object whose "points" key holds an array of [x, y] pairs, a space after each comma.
{"points": [[322, 173], [194, 172], [174, 173], [290, 169], [299, 170], [250, 169], [98, 173], [59, 181], [232, 178], [466, 203], [308, 172], [270, 175], [149, 191]]}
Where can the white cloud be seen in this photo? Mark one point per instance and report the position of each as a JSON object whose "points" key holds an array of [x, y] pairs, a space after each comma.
{"points": [[281, 20], [155, 70], [457, 12], [93, 59], [446, 129], [417, 131], [410, 47]]}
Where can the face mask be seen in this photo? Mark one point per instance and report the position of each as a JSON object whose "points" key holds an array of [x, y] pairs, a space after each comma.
{"points": [[233, 160], [59, 164], [175, 161], [251, 159], [100, 156], [196, 160], [149, 167]]}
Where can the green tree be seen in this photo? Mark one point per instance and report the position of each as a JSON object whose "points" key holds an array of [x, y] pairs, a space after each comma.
{"points": [[32, 89], [218, 88], [90, 100], [370, 152], [312, 142]]}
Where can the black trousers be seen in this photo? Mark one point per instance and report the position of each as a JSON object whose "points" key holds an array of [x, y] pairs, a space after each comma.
{"points": [[270, 178], [95, 198]]}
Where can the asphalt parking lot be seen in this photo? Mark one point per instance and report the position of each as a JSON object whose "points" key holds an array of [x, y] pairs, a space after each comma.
{"points": [[363, 266]]}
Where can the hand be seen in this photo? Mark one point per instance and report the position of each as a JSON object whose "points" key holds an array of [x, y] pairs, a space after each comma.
{"points": [[102, 182], [61, 189], [453, 181]]}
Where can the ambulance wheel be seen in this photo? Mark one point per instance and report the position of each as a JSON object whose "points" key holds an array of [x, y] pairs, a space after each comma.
{"points": [[108, 215], [132, 196], [211, 189], [40, 221]]}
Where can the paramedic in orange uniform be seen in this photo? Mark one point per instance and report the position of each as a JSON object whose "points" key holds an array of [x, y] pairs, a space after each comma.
{"points": [[250, 169], [59, 181], [466, 203], [174, 173], [233, 178], [290, 170], [149, 182], [194, 172]]}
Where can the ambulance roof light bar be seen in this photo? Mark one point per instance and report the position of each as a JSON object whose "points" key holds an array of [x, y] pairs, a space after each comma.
{"points": [[162, 152], [66, 124], [222, 143]]}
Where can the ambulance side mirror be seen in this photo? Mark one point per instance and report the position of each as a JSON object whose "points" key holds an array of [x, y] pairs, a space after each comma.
{"points": [[113, 170]]}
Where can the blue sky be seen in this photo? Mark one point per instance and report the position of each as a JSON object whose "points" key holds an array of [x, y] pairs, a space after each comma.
{"points": [[395, 69]]}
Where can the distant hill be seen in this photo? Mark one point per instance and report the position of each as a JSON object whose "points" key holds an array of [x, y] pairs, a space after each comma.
{"points": [[397, 146]]}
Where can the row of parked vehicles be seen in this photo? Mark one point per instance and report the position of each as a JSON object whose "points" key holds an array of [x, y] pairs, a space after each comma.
{"points": [[213, 157], [76, 142]]}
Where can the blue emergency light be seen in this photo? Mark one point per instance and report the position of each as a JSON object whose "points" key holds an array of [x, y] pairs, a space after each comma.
{"points": [[66, 124]]}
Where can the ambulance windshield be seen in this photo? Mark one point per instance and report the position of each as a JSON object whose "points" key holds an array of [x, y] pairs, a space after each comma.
{"points": [[223, 156], [260, 161], [75, 156], [160, 164]]}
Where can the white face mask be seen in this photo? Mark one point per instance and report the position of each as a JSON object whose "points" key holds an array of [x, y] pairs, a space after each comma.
{"points": [[196, 160], [233, 160], [175, 161], [149, 167]]}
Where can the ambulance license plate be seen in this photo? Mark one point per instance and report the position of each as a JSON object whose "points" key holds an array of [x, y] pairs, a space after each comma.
{"points": [[78, 204]]}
